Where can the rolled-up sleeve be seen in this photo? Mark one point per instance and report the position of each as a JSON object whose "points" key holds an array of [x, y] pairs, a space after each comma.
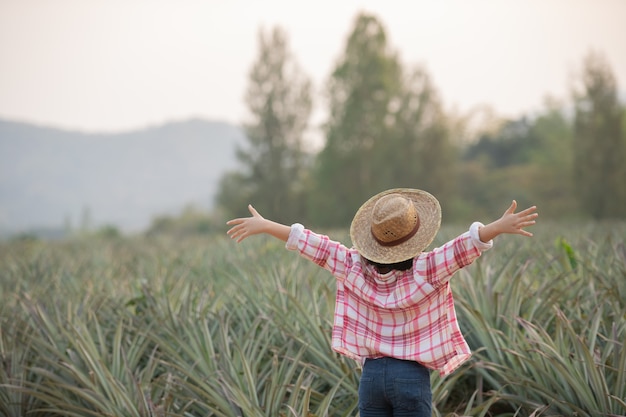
{"points": [[479, 244], [320, 249], [294, 236]]}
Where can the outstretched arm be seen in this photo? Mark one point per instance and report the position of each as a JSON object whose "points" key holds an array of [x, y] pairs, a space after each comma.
{"points": [[510, 222], [248, 226]]}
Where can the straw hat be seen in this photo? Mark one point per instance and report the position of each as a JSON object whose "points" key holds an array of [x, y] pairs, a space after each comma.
{"points": [[395, 225]]}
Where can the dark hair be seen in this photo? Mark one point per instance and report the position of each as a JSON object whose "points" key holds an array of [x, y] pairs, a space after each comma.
{"points": [[398, 266]]}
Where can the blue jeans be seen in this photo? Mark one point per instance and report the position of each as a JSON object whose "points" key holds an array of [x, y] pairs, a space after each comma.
{"points": [[394, 388]]}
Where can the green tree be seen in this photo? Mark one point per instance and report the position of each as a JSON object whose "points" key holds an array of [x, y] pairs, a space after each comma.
{"points": [[599, 142], [552, 158], [360, 90], [421, 150], [385, 128], [496, 168], [512, 144], [529, 159], [274, 162]]}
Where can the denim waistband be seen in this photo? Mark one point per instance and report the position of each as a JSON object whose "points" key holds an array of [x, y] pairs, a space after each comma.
{"points": [[391, 359]]}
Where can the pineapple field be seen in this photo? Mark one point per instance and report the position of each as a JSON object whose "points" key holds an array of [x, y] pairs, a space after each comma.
{"points": [[202, 326]]}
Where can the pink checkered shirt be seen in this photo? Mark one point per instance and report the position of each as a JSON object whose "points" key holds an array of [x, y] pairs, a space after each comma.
{"points": [[402, 314]]}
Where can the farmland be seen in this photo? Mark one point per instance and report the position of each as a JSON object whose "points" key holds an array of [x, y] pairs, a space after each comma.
{"points": [[131, 326]]}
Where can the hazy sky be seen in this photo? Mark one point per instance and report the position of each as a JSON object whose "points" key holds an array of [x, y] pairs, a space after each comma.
{"points": [[107, 65]]}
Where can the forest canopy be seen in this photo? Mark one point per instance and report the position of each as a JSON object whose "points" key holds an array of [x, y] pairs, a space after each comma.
{"points": [[387, 127]]}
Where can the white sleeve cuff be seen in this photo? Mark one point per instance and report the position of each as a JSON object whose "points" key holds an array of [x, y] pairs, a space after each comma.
{"points": [[294, 236], [479, 244]]}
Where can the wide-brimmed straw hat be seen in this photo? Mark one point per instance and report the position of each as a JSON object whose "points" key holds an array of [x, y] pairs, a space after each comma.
{"points": [[395, 225]]}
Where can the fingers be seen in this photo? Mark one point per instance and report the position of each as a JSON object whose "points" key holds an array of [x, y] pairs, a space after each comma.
{"points": [[238, 233], [525, 219], [521, 226], [233, 231], [512, 208], [243, 226], [239, 237], [528, 210], [238, 227]]}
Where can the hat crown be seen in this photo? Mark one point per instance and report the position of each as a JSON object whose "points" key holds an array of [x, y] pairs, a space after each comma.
{"points": [[394, 219], [415, 208]]}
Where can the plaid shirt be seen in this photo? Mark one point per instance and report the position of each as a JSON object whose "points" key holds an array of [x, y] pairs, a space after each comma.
{"points": [[402, 314]]}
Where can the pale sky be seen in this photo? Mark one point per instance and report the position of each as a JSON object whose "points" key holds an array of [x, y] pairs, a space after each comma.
{"points": [[111, 65]]}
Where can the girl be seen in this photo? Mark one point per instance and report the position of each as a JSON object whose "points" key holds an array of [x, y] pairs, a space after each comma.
{"points": [[394, 310]]}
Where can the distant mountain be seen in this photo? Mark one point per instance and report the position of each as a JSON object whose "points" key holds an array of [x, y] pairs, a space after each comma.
{"points": [[51, 177]]}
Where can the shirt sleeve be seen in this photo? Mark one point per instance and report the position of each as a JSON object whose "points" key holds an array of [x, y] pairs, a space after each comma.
{"points": [[439, 265], [479, 244], [320, 249], [294, 236]]}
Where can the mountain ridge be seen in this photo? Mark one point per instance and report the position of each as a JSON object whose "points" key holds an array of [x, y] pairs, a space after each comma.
{"points": [[50, 177]]}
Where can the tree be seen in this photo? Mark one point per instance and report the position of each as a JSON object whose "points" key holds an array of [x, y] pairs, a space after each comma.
{"points": [[511, 144], [422, 149], [360, 90], [384, 130], [599, 142], [552, 157], [279, 99], [497, 168]]}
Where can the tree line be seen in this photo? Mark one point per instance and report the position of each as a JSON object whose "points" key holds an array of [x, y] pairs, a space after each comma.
{"points": [[387, 127]]}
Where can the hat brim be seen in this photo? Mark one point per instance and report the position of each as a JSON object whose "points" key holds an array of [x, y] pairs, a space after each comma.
{"points": [[429, 212]]}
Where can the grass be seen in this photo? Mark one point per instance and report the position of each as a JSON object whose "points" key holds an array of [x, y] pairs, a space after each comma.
{"points": [[205, 327]]}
